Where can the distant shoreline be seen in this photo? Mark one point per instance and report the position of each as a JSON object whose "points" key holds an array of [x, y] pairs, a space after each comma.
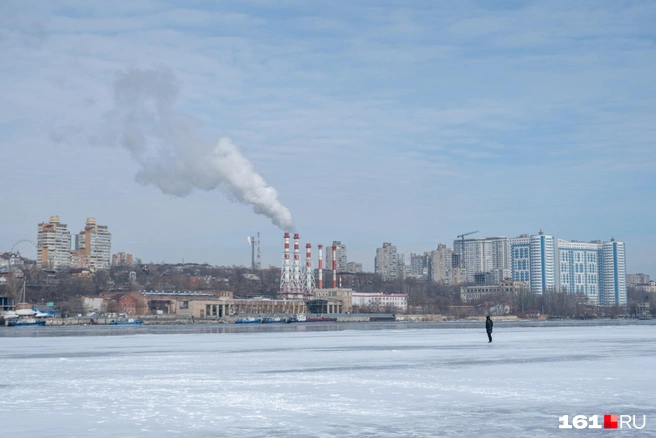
{"points": [[222, 328]]}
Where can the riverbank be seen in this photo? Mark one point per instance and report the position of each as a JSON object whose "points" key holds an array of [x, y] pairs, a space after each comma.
{"points": [[155, 320]]}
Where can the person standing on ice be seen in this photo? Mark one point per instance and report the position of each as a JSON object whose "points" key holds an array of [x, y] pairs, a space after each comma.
{"points": [[488, 327]]}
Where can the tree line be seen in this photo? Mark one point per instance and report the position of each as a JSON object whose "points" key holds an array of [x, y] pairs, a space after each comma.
{"points": [[66, 288]]}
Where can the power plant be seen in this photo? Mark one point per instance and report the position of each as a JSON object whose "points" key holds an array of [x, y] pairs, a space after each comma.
{"points": [[300, 284], [309, 271], [286, 272], [320, 266], [297, 288]]}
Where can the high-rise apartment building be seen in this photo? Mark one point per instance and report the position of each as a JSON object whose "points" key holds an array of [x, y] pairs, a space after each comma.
{"points": [[482, 255], [93, 245], [53, 244], [122, 259], [420, 265], [520, 258], [543, 270], [404, 258], [532, 261], [614, 274], [353, 267], [593, 269], [579, 265], [444, 266], [411, 265], [385, 263], [340, 254], [634, 279]]}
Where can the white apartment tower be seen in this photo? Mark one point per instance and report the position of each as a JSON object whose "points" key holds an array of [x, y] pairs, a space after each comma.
{"points": [[593, 269], [53, 244], [385, 262], [482, 255], [614, 274], [341, 256], [542, 263], [520, 258], [578, 268], [532, 261]]}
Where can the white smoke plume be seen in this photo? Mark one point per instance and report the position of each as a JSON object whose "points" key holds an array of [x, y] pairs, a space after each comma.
{"points": [[171, 152]]}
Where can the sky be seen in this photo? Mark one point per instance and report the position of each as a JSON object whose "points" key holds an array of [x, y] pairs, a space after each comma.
{"points": [[408, 122]]}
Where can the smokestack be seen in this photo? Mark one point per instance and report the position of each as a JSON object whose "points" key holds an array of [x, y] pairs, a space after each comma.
{"points": [[285, 274], [296, 273], [252, 242], [320, 266], [309, 271], [334, 267]]}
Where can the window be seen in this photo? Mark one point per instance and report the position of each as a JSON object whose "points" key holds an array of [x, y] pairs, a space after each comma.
{"points": [[184, 304]]}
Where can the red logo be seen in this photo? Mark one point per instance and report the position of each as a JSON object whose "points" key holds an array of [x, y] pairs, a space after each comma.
{"points": [[610, 421]]}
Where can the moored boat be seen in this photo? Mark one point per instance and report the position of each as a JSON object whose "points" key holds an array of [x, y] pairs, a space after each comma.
{"points": [[248, 320], [272, 320], [320, 319], [25, 321], [303, 318], [299, 317], [25, 315], [128, 321]]}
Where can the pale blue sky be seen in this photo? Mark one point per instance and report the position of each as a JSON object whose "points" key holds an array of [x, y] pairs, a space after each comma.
{"points": [[401, 121]]}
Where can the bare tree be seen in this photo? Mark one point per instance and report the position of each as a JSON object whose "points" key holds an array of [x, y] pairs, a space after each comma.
{"points": [[73, 306]]}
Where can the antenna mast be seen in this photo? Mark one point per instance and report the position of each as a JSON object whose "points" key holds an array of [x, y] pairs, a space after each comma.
{"points": [[258, 265]]}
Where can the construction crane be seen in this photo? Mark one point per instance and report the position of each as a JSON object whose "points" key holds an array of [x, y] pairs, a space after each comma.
{"points": [[462, 236], [462, 256]]}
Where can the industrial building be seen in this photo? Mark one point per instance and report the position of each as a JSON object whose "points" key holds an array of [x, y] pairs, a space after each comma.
{"points": [[297, 284], [186, 304], [379, 301], [344, 296], [470, 293]]}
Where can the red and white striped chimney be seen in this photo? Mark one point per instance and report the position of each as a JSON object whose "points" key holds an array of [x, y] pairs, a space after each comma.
{"points": [[334, 267], [320, 266], [285, 275], [296, 273], [286, 246], [309, 273]]}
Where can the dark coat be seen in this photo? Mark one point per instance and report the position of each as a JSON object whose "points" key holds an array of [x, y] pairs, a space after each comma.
{"points": [[488, 325]]}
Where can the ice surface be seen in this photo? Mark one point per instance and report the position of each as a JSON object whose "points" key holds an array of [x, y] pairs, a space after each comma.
{"points": [[395, 380]]}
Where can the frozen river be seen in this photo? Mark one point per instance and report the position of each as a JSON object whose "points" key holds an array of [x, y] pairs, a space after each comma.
{"points": [[397, 380]]}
